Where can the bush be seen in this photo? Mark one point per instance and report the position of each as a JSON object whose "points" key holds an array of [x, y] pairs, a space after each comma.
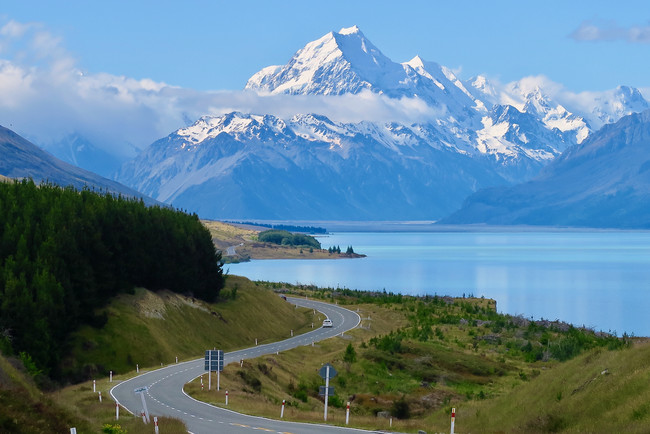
{"points": [[401, 409]]}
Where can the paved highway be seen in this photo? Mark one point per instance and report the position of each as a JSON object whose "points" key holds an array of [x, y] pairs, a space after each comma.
{"points": [[165, 395]]}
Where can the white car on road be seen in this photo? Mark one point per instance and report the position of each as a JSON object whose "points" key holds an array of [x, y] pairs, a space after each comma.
{"points": [[328, 323]]}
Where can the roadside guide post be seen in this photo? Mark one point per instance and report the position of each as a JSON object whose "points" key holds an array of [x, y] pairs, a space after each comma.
{"points": [[453, 419], [326, 372], [214, 362], [347, 414], [141, 390], [282, 411]]}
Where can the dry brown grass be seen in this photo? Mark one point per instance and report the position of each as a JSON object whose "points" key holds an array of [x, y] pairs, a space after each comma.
{"points": [[246, 246]]}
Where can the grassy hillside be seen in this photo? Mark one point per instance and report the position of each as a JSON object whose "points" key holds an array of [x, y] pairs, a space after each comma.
{"points": [[597, 392], [148, 329], [153, 328], [416, 358], [25, 409]]}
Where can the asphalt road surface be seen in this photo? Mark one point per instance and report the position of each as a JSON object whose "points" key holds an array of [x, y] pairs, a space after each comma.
{"points": [[165, 396]]}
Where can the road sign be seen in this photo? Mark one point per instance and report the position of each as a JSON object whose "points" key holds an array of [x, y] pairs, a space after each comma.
{"points": [[140, 389], [330, 390], [213, 360], [323, 371]]}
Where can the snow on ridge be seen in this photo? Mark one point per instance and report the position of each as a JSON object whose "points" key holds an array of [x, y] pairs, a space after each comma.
{"points": [[349, 30]]}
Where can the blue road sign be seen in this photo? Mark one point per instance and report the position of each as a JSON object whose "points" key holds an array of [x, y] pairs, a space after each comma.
{"points": [[213, 360]]}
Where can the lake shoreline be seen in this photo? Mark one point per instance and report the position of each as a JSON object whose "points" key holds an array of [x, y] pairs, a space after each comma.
{"points": [[430, 226]]}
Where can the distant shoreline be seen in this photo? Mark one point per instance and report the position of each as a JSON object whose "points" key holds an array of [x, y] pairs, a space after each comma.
{"points": [[430, 226]]}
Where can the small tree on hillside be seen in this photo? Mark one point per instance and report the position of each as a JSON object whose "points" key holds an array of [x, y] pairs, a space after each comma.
{"points": [[350, 356]]}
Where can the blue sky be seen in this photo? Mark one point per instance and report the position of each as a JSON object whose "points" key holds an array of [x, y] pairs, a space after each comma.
{"points": [[216, 45]]}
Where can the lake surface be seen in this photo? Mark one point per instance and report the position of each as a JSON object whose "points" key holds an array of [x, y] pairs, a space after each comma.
{"points": [[597, 279]]}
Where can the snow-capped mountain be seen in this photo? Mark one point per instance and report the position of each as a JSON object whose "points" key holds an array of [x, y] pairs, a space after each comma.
{"points": [[602, 182], [347, 62], [309, 167], [480, 134]]}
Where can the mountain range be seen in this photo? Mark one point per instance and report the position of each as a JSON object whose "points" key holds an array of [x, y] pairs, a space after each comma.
{"points": [[602, 182], [23, 159], [506, 154], [479, 135]]}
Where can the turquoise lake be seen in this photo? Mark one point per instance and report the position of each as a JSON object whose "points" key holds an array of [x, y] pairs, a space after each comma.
{"points": [[597, 279]]}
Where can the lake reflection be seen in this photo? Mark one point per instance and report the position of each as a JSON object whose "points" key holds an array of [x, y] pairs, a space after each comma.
{"points": [[599, 279]]}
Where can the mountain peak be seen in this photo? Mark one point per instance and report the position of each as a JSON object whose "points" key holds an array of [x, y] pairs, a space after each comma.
{"points": [[416, 62], [350, 30], [336, 63]]}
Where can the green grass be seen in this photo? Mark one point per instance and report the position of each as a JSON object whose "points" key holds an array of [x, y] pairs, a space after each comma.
{"points": [[148, 329], [425, 356]]}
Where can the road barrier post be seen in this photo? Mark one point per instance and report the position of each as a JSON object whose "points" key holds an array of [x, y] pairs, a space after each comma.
{"points": [[144, 419], [453, 419], [117, 410], [155, 424], [176, 359], [291, 333], [100, 396], [73, 430], [255, 341], [94, 386], [282, 411], [137, 368], [226, 398], [110, 378], [347, 414]]}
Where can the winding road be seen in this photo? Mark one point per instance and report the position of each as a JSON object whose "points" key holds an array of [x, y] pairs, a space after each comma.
{"points": [[165, 395]]}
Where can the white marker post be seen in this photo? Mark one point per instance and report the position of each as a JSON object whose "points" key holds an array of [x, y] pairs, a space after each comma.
{"points": [[94, 387], [453, 419], [155, 424], [226, 398], [117, 410], [347, 414], [110, 378], [176, 359], [73, 430], [282, 411], [291, 333], [100, 396], [137, 368], [327, 388]]}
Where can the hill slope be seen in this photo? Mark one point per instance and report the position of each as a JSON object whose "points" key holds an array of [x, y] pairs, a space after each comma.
{"points": [[23, 159]]}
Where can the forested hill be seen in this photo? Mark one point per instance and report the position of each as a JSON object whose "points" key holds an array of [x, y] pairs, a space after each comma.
{"points": [[65, 253]]}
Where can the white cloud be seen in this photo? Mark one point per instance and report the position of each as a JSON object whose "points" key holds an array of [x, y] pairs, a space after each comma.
{"points": [[45, 97], [610, 31]]}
